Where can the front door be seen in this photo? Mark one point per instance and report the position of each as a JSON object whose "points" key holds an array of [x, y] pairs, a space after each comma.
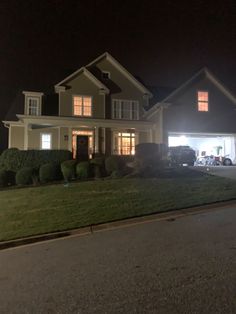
{"points": [[82, 153]]}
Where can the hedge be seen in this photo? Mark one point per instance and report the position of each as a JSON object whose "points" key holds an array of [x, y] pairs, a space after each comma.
{"points": [[25, 176], [14, 159], [149, 158], [49, 172], [98, 164], [83, 170], [68, 168], [3, 178], [114, 163]]}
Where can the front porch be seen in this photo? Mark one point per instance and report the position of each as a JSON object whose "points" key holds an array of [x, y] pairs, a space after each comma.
{"points": [[99, 135]]}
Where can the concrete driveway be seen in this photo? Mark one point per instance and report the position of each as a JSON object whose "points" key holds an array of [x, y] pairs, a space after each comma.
{"points": [[222, 171], [185, 265]]}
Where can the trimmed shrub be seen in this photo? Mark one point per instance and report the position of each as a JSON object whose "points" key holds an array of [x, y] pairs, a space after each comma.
{"points": [[117, 174], [150, 158], [68, 169], [3, 178], [98, 166], [11, 177], [24, 176], [82, 170], [14, 159], [114, 163], [49, 172]]}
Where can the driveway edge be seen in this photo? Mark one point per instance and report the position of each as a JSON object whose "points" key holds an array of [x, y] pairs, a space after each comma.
{"points": [[126, 222]]}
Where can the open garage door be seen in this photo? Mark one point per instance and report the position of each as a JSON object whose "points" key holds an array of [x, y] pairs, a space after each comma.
{"points": [[206, 144]]}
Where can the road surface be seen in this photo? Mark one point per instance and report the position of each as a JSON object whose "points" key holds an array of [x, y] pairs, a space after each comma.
{"points": [[221, 171], [187, 265]]}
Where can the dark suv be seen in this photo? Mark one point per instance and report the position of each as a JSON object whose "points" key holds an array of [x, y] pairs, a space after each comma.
{"points": [[181, 155]]}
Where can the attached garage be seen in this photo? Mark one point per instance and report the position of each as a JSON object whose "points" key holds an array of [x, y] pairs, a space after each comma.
{"points": [[223, 145]]}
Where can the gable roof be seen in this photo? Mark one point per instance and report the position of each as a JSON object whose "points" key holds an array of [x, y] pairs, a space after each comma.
{"points": [[205, 72], [88, 74], [116, 64]]}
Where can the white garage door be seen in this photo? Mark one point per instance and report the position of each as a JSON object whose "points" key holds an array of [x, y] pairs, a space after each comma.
{"points": [[206, 144]]}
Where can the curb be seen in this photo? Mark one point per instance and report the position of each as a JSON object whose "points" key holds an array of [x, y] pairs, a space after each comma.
{"points": [[127, 222]]}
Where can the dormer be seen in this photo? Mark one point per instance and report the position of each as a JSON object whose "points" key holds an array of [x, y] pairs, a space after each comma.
{"points": [[33, 103]]}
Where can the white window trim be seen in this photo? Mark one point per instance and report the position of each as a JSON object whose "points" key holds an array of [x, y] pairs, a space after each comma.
{"points": [[130, 101], [35, 95], [116, 134], [38, 109], [76, 115], [41, 141]]}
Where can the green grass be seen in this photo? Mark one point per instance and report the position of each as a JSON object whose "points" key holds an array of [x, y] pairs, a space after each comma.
{"points": [[37, 210]]}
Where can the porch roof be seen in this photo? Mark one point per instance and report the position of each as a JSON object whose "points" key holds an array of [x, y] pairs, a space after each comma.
{"points": [[73, 122]]}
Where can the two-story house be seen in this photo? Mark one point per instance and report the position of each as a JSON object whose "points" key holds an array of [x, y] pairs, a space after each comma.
{"points": [[100, 110]]}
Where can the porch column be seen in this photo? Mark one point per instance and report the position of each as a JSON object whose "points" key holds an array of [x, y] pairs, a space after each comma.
{"points": [[103, 140], [70, 139], [26, 138], [96, 140], [150, 136]]}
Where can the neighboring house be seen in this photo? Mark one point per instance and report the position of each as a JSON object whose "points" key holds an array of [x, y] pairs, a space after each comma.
{"points": [[102, 108], [200, 113]]}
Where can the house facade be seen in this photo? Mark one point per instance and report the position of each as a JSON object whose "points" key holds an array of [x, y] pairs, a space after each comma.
{"points": [[201, 113], [102, 108]]}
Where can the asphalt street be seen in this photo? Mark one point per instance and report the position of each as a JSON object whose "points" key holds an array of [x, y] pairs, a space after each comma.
{"points": [[221, 171], [186, 265]]}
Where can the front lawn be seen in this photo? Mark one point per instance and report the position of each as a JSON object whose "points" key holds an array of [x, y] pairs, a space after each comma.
{"points": [[37, 210]]}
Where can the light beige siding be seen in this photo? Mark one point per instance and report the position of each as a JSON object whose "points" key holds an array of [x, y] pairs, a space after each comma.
{"points": [[121, 87], [16, 137], [81, 85], [143, 137], [157, 118], [64, 138], [35, 135]]}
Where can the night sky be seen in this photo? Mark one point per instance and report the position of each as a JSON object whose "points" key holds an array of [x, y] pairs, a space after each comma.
{"points": [[162, 42]]}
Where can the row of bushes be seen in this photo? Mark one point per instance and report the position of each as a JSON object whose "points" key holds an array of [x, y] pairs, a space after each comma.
{"points": [[148, 160], [13, 159], [69, 170]]}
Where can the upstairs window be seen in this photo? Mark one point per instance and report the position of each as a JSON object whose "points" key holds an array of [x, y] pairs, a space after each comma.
{"points": [[125, 109], [33, 106], [82, 106], [203, 100], [33, 103], [46, 141]]}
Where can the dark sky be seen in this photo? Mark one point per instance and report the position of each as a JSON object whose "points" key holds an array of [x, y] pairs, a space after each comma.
{"points": [[163, 42]]}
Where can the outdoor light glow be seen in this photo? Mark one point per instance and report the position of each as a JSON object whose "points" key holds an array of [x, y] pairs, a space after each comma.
{"points": [[183, 140]]}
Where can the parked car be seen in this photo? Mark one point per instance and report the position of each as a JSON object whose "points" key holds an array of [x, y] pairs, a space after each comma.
{"points": [[181, 155]]}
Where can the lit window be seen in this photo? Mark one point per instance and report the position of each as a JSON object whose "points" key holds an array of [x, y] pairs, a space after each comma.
{"points": [[33, 106], [202, 101], [82, 106], [124, 143], [125, 109], [46, 141]]}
